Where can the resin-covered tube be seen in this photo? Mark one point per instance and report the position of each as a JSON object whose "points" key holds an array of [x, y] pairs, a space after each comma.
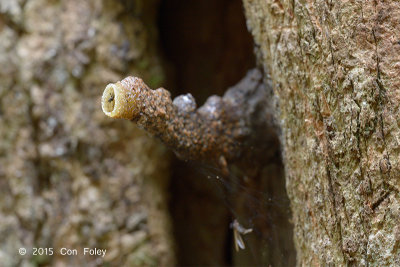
{"points": [[217, 131], [119, 99]]}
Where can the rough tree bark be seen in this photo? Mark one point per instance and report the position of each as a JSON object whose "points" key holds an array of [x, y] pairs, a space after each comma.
{"points": [[335, 68], [69, 176]]}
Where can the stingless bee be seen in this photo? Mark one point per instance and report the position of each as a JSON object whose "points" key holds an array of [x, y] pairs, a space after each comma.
{"points": [[238, 231]]}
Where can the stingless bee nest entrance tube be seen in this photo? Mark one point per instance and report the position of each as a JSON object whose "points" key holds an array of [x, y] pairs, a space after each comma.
{"points": [[119, 101], [214, 132]]}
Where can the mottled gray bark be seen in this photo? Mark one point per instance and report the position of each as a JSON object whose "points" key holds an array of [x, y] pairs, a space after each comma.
{"points": [[69, 176], [335, 68]]}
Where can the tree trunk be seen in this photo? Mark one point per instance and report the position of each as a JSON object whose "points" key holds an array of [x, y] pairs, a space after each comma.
{"points": [[69, 176], [335, 69]]}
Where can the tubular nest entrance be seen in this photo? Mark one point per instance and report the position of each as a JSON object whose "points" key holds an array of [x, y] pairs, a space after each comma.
{"points": [[119, 99], [108, 99]]}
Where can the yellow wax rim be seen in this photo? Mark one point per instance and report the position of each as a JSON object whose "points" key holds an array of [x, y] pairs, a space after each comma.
{"points": [[118, 101]]}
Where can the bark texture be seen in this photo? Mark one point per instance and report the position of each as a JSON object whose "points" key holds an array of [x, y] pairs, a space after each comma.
{"points": [[335, 68], [69, 176]]}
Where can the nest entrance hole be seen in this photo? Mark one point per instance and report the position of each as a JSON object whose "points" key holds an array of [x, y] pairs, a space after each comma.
{"points": [[108, 99]]}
